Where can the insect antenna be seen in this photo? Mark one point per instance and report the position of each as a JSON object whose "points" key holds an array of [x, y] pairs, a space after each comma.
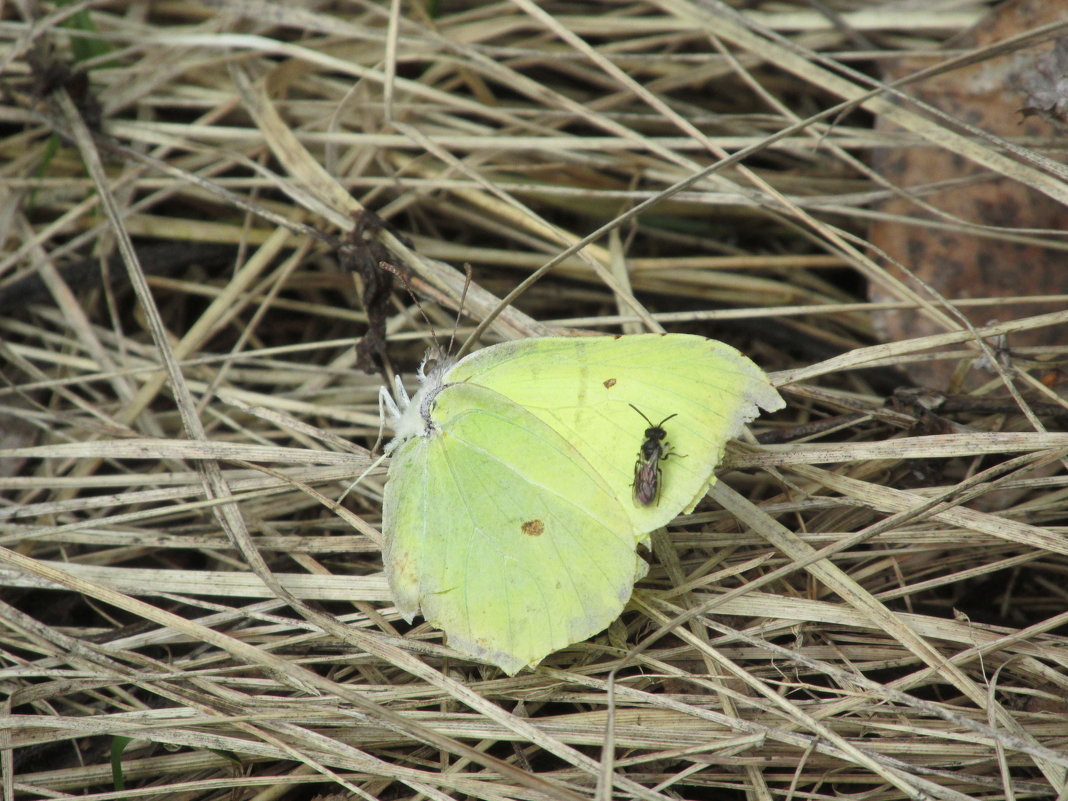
{"points": [[405, 277], [639, 411], [463, 300], [650, 422]]}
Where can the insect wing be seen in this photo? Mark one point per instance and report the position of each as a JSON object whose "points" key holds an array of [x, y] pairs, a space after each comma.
{"points": [[647, 476]]}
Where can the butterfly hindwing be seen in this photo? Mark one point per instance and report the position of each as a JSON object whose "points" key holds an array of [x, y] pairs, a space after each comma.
{"points": [[502, 535]]}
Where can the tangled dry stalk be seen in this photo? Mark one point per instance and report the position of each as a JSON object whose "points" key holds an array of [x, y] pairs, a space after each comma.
{"points": [[872, 604]]}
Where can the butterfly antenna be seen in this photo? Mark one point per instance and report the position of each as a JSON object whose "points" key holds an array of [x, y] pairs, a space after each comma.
{"points": [[392, 268], [460, 310]]}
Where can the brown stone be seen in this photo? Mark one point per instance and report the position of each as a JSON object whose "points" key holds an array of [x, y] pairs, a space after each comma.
{"points": [[1022, 94]]}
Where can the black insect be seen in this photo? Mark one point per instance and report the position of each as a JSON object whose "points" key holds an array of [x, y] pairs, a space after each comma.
{"points": [[647, 473]]}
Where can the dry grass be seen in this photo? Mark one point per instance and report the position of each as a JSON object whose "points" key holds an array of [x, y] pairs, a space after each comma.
{"points": [[864, 610]]}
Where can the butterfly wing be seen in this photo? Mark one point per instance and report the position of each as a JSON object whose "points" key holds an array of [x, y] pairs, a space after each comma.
{"points": [[583, 388], [502, 534]]}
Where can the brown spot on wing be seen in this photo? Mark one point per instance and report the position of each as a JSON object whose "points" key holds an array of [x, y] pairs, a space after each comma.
{"points": [[533, 528], [608, 384]]}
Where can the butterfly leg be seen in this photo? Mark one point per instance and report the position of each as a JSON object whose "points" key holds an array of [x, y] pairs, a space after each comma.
{"points": [[388, 406]]}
